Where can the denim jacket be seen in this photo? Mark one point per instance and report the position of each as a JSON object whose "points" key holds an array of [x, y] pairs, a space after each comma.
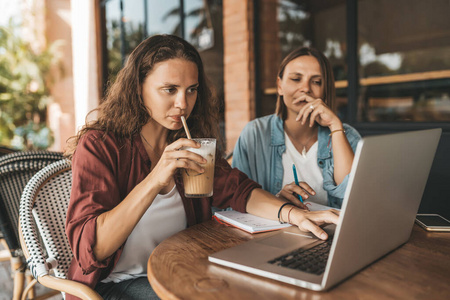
{"points": [[261, 144]]}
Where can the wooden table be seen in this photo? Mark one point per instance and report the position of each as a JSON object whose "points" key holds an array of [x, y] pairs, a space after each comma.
{"points": [[179, 269]]}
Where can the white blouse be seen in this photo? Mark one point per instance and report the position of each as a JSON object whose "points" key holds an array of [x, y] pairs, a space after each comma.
{"points": [[307, 170], [165, 217]]}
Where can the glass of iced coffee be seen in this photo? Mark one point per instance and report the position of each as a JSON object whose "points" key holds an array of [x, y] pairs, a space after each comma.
{"points": [[199, 185]]}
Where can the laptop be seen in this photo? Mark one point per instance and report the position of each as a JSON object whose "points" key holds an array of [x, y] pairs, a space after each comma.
{"points": [[385, 187]]}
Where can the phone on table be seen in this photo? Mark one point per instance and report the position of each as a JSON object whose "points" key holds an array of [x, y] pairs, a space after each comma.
{"points": [[433, 222]]}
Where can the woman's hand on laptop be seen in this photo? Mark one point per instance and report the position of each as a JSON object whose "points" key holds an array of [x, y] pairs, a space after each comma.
{"points": [[312, 220], [263, 204]]}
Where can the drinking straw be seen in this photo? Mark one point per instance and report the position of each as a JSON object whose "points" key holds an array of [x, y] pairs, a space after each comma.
{"points": [[186, 128]]}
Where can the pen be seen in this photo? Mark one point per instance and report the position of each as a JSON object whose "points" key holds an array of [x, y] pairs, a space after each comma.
{"points": [[296, 181]]}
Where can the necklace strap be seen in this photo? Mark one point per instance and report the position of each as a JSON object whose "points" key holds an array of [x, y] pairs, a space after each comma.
{"points": [[145, 140], [309, 139]]}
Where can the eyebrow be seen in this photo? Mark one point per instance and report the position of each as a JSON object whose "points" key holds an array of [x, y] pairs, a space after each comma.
{"points": [[177, 85], [297, 73]]}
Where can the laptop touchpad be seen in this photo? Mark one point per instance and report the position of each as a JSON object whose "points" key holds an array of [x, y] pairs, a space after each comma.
{"points": [[285, 240]]}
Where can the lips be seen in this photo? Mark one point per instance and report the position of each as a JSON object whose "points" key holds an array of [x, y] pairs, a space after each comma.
{"points": [[176, 118], [297, 102]]}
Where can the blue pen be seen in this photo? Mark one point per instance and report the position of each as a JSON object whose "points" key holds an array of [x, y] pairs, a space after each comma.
{"points": [[296, 181]]}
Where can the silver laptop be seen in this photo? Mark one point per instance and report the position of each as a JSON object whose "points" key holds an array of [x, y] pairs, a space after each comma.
{"points": [[385, 187]]}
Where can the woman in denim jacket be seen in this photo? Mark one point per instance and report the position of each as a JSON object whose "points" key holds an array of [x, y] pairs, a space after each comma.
{"points": [[304, 132]]}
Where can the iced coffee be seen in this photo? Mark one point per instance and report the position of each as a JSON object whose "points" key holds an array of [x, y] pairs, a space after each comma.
{"points": [[198, 185]]}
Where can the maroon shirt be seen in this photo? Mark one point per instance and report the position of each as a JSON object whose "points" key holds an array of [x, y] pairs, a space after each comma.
{"points": [[104, 173]]}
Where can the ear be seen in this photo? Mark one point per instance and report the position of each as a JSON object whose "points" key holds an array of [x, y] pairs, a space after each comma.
{"points": [[279, 89]]}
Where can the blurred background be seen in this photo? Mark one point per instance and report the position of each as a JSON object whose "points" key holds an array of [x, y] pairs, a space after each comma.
{"points": [[391, 61]]}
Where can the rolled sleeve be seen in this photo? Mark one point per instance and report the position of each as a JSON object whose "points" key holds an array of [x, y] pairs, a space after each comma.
{"points": [[94, 191], [84, 249], [335, 192]]}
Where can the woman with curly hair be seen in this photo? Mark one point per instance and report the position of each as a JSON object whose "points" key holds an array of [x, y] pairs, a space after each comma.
{"points": [[127, 193]]}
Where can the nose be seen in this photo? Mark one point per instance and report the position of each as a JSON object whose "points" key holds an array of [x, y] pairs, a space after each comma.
{"points": [[305, 86], [181, 101]]}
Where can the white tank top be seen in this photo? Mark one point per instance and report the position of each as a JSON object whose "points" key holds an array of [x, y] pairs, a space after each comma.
{"points": [[165, 217], [307, 170]]}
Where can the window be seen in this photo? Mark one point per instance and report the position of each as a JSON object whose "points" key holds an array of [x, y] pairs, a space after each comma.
{"points": [[127, 23], [404, 61], [319, 24], [402, 69]]}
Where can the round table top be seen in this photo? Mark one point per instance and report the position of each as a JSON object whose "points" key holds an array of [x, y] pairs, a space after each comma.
{"points": [[179, 269]]}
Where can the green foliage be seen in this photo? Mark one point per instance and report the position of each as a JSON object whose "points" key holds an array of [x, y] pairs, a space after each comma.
{"points": [[25, 81], [134, 35]]}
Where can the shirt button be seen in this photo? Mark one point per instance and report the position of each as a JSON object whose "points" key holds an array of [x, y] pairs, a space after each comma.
{"points": [[321, 163]]}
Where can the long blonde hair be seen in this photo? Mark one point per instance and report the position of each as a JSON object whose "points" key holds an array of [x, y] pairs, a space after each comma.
{"points": [[327, 72]]}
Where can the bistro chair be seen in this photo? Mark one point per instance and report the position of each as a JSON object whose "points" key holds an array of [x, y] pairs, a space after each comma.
{"points": [[6, 150], [15, 170], [4, 254], [43, 210]]}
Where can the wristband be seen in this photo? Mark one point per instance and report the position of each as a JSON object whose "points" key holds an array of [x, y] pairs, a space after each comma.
{"points": [[279, 212], [334, 131], [289, 214]]}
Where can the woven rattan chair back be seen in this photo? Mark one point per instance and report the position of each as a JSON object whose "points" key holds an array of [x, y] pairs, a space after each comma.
{"points": [[44, 202], [16, 169], [43, 210]]}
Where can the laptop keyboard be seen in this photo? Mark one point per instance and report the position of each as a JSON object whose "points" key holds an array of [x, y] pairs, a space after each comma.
{"points": [[312, 260]]}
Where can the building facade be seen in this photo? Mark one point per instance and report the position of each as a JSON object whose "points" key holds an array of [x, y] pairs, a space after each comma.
{"points": [[391, 59]]}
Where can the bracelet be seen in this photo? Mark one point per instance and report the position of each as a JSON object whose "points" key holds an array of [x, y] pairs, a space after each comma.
{"points": [[289, 214], [331, 133], [279, 212]]}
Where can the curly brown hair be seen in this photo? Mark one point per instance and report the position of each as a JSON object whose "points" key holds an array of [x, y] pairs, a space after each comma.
{"points": [[327, 72], [123, 112]]}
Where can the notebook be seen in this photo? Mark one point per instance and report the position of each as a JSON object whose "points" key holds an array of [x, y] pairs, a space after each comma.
{"points": [[248, 222], [255, 224], [385, 187]]}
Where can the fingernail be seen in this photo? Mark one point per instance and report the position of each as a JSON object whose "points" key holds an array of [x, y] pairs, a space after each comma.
{"points": [[204, 160], [323, 236]]}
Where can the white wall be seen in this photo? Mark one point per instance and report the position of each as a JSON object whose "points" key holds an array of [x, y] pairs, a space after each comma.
{"points": [[85, 71]]}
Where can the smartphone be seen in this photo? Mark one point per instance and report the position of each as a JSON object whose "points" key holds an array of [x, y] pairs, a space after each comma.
{"points": [[433, 222]]}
